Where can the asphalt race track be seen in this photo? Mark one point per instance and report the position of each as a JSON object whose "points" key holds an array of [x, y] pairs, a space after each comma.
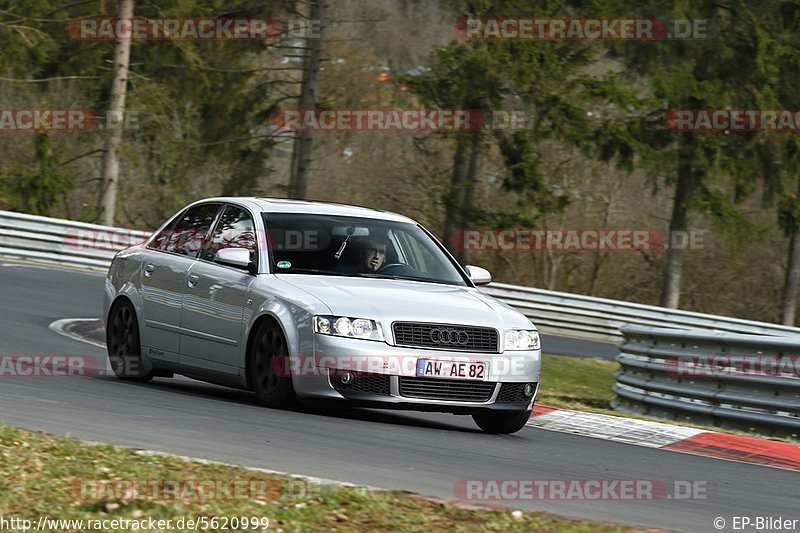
{"points": [[426, 453], [556, 345]]}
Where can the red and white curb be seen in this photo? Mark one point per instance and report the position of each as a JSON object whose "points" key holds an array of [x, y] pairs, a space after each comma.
{"points": [[668, 437]]}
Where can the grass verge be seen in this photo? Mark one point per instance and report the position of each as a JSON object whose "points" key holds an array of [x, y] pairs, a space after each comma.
{"points": [[577, 383], [41, 476]]}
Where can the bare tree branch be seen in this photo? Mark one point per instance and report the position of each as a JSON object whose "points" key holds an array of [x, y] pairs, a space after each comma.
{"points": [[57, 78]]}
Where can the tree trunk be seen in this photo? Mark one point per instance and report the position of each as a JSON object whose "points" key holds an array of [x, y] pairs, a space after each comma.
{"points": [[452, 200], [301, 157], [792, 283], [470, 187], [600, 256], [673, 271], [116, 110], [460, 201]]}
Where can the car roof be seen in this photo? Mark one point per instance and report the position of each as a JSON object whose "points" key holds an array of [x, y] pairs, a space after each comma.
{"points": [[287, 205]]}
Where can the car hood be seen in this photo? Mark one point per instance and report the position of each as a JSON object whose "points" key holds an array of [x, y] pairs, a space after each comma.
{"points": [[389, 300]]}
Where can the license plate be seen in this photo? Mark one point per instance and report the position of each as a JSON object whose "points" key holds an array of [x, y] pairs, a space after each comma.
{"points": [[475, 370]]}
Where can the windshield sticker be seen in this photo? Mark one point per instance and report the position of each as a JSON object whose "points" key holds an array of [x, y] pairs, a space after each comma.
{"points": [[284, 264]]}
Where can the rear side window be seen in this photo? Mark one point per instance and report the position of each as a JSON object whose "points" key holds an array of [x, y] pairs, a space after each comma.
{"points": [[187, 235]]}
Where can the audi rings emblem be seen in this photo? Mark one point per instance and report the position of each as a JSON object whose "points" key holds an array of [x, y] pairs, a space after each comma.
{"points": [[453, 337]]}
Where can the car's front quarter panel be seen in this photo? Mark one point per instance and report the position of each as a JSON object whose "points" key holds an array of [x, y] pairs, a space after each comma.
{"points": [[510, 317], [292, 307]]}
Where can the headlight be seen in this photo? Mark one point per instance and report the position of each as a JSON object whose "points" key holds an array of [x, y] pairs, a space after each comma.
{"points": [[344, 326], [521, 339]]}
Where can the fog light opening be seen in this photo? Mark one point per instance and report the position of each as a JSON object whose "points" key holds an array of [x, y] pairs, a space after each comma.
{"points": [[528, 390], [347, 378]]}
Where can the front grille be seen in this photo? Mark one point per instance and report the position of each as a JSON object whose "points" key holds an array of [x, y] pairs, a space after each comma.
{"points": [[456, 390], [512, 393], [445, 337], [364, 384]]}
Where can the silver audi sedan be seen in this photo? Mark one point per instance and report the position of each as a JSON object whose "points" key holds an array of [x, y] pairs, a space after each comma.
{"points": [[311, 301]]}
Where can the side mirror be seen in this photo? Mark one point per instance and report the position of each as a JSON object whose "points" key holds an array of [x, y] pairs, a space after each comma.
{"points": [[235, 257], [478, 275]]}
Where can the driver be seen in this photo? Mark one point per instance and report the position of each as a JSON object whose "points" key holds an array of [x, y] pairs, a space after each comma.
{"points": [[373, 256]]}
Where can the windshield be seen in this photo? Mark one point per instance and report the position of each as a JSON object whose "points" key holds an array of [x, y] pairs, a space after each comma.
{"points": [[358, 247]]}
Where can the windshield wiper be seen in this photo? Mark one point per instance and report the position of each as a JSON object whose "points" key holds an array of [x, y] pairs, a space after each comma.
{"points": [[385, 276], [397, 276]]}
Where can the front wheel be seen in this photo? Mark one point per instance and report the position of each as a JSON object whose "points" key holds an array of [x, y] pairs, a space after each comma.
{"points": [[268, 349], [124, 346], [498, 422]]}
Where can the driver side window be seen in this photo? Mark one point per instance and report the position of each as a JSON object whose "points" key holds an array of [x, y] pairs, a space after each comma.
{"points": [[187, 235], [235, 229]]}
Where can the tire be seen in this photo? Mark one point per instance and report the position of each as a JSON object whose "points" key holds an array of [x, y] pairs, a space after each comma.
{"points": [[124, 344], [499, 422], [271, 390]]}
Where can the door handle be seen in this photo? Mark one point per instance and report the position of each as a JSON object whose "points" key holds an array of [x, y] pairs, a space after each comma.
{"points": [[192, 280], [148, 270]]}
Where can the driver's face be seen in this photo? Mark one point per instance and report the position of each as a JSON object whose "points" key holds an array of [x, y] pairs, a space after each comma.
{"points": [[376, 255]]}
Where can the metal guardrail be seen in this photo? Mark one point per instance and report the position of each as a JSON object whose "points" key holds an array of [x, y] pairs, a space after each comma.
{"points": [[63, 242], [601, 318], [748, 382], [93, 246]]}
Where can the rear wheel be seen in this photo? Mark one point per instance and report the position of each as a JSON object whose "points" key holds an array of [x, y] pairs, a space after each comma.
{"points": [[498, 422], [267, 350], [123, 344]]}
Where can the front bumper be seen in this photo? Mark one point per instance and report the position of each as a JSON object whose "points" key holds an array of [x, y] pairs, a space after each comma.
{"points": [[386, 378]]}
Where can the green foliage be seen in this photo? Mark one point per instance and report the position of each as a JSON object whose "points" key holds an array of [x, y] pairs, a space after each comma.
{"points": [[773, 44], [23, 42], [789, 214], [727, 218], [729, 70], [548, 80], [40, 187], [524, 173]]}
